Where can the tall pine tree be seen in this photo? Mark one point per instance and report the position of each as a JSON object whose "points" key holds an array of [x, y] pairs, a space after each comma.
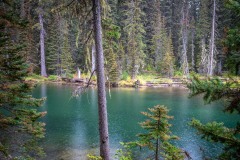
{"points": [[135, 31], [19, 125]]}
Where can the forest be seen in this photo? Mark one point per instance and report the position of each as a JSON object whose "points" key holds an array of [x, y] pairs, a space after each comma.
{"points": [[166, 37], [110, 43]]}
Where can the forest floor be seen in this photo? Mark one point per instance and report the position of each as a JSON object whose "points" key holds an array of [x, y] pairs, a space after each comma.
{"points": [[144, 80]]}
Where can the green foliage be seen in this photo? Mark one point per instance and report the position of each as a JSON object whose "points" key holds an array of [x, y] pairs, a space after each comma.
{"points": [[35, 78], [59, 53], [232, 40], [53, 78], [217, 132], [111, 38], [203, 29], [125, 153], [53, 48], [125, 76], [171, 152], [19, 119], [214, 89], [134, 31], [158, 133], [178, 73], [166, 65], [67, 63], [92, 157], [162, 46]]}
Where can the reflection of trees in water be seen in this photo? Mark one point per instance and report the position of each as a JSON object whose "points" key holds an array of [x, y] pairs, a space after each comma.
{"points": [[43, 90], [72, 125]]}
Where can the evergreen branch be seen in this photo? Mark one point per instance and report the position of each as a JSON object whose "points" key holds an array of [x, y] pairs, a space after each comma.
{"points": [[217, 132], [214, 89]]}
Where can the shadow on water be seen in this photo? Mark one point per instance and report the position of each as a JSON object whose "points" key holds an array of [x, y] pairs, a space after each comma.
{"points": [[72, 123]]}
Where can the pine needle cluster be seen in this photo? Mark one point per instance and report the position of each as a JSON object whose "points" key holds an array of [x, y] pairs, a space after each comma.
{"points": [[214, 89], [19, 125], [158, 134]]}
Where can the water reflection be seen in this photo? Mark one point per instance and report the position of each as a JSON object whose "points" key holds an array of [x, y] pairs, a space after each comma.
{"points": [[43, 90], [72, 124]]}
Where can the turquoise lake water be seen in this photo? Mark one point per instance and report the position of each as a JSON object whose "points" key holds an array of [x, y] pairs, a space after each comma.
{"points": [[72, 123]]}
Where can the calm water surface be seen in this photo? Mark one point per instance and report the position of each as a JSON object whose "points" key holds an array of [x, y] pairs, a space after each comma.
{"points": [[72, 123]]}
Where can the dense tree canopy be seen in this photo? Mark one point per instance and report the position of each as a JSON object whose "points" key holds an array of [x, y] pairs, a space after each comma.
{"points": [[164, 37], [158, 36], [19, 125]]}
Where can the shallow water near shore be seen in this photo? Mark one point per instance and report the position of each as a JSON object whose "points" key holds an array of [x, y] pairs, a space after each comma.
{"points": [[72, 123]]}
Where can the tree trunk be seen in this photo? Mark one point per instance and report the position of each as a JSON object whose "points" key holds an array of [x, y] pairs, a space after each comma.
{"points": [[102, 107], [212, 41], [157, 143], [78, 73], [193, 51], [156, 152], [204, 57], [42, 48], [184, 30]]}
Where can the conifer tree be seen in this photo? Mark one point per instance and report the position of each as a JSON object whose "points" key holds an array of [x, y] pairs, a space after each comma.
{"points": [[167, 63], [135, 31], [158, 134], [203, 31], [151, 9], [159, 39], [111, 45], [67, 63], [232, 40], [213, 90], [53, 45], [162, 45], [19, 125], [59, 51]]}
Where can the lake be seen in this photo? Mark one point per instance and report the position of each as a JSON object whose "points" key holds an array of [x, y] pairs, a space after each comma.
{"points": [[72, 123]]}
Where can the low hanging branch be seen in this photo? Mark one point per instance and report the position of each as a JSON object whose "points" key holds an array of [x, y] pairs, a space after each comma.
{"points": [[82, 89], [90, 79]]}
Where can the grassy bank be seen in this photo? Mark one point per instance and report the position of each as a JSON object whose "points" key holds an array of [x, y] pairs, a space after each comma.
{"points": [[38, 78], [147, 79]]}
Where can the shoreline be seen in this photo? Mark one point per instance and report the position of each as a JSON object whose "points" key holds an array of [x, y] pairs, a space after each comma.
{"points": [[129, 85]]}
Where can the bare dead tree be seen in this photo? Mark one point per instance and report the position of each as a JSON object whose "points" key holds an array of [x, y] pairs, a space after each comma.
{"points": [[184, 32], [204, 57], [212, 42], [42, 47]]}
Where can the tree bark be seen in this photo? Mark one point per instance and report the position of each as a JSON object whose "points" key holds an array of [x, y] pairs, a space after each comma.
{"points": [[204, 57], [184, 30], [42, 47], [193, 51], [157, 142], [102, 107]]}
